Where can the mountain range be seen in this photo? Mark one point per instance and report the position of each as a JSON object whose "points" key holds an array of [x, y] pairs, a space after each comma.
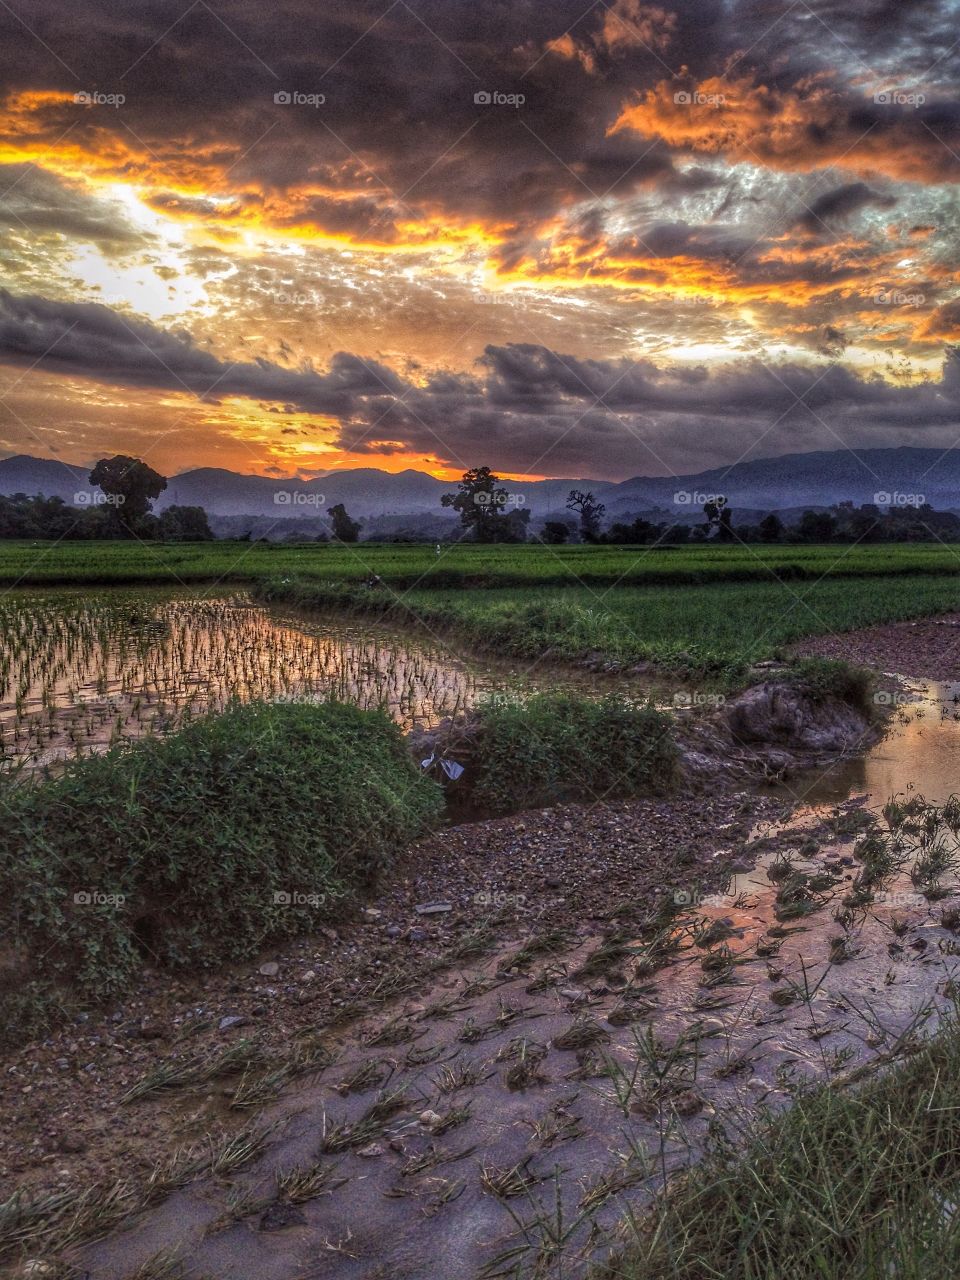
{"points": [[788, 482]]}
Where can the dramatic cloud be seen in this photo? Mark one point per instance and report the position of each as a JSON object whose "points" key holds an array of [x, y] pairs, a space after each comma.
{"points": [[544, 412], [707, 184]]}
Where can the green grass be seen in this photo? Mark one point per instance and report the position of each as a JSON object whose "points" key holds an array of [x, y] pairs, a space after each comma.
{"points": [[460, 565], [850, 1184], [555, 748], [713, 629], [192, 850]]}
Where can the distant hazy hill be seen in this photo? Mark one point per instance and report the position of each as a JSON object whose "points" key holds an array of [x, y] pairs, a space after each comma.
{"points": [[795, 480]]}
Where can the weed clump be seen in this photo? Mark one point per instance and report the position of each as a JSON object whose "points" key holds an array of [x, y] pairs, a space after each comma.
{"points": [[199, 848], [557, 748]]}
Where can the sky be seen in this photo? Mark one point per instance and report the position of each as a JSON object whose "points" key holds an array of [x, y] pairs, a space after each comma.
{"points": [[560, 239]]}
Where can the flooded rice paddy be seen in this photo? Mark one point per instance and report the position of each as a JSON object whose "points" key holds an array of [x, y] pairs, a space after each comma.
{"points": [[82, 671]]}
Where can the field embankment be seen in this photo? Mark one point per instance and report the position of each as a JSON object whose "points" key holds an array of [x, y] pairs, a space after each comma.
{"points": [[849, 1184], [716, 629]]}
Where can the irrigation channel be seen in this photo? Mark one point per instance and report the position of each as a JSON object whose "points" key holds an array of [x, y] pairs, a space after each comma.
{"points": [[502, 1120]]}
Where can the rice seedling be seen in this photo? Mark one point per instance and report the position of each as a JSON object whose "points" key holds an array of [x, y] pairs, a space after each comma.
{"points": [[465, 1075], [339, 1136], [525, 1058], [583, 1033], [299, 1185], [370, 1074], [508, 1181]]}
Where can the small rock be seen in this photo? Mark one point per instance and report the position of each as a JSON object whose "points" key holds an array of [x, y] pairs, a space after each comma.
{"points": [[429, 1118], [270, 969], [374, 1149], [757, 1085], [309, 975], [433, 908], [394, 931], [418, 935], [372, 913], [232, 1020]]}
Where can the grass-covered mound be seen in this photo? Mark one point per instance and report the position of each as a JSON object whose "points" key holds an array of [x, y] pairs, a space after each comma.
{"points": [[555, 748], [198, 848], [849, 1184]]}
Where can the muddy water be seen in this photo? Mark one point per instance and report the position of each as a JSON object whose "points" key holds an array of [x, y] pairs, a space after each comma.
{"points": [[921, 750], [632, 1042], [82, 671]]}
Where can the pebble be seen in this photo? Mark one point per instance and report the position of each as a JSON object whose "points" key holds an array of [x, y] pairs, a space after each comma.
{"points": [[270, 969], [429, 1118], [433, 908], [232, 1020]]}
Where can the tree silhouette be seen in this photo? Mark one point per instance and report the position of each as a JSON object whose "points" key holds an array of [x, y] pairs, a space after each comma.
{"points": [[591, 512], [129, 485], [480, 501]]}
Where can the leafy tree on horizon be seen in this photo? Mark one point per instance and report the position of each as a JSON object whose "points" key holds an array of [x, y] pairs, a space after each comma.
{"points": [[555, 532], [344, 529], [480, 500], [131, 485]]}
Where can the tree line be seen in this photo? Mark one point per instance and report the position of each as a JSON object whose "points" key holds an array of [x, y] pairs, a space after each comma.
{"points": [[489, 513]]}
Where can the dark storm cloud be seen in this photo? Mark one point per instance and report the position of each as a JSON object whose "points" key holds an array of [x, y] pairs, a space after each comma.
{"points": [[33, 201], [525, 408], [841, 203], [399, 133]]}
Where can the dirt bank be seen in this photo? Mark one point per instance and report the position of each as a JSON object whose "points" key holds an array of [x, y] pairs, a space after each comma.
{"points": [[927, 648]]}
